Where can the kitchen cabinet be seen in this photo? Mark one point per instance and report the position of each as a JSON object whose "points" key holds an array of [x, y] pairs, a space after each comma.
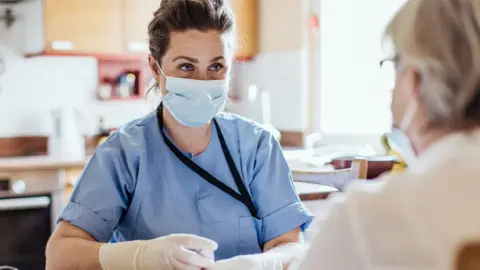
{"points": [[246, 13], [116, 26], [90, 26], [138, 14]]}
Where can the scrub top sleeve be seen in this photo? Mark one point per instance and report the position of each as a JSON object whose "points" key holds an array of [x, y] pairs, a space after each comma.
{"points": [[274, 194], [101, 195]]}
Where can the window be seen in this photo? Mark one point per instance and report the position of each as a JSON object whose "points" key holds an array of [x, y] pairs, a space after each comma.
{"points": [[354, 92]]}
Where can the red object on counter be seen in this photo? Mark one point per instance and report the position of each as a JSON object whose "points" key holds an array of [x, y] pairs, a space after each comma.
{"points": [[111, 70]]}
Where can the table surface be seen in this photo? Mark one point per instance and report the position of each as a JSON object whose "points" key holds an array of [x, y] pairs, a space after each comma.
{"points": [[310, 191]]}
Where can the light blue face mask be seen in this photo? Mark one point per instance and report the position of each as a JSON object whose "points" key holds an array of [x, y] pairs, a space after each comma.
{"points": [[399, 139], [194, 102]]}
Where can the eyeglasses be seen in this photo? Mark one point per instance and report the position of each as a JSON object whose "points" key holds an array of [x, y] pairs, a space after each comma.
{"points": [[388, 67], [391, 60]]}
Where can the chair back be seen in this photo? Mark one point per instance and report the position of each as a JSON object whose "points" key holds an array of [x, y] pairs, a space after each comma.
{"points": [[468, 257]]}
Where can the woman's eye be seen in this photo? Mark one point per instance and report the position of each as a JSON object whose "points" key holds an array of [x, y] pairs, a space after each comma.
{"points": [[215, 67], [186, 67]]}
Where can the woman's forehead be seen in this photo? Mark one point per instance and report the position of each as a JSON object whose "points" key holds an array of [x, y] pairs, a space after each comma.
{"points": [[196, 44]]}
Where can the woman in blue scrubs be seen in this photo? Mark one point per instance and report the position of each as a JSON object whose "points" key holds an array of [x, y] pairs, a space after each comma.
{"points": [[170, 189]]}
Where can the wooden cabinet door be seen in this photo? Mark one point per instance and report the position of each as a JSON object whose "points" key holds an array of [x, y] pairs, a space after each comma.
{"points": [[92, 26], [138, 14], [246, 12]]}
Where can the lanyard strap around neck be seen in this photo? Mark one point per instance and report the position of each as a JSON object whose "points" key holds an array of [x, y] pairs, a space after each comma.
{"points": [[243, 197]]}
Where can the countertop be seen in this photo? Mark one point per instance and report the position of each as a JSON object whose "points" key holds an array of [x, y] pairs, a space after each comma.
{"points": [[39, 163]]}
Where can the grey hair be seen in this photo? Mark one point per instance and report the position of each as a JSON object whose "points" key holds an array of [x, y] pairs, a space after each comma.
{"points": [[441, 38]]}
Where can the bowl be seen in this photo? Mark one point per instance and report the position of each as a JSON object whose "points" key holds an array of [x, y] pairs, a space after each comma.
{"points": [[377, 165]]}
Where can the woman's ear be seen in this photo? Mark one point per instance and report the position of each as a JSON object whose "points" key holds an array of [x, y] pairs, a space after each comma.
{"points": [[154, 68]]}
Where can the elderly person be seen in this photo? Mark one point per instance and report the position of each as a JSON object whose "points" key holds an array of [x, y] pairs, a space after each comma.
{"points": [[420, 218]]}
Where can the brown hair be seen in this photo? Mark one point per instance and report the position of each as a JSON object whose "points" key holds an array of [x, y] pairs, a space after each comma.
{"points": [[442, 39], [183, 15]]}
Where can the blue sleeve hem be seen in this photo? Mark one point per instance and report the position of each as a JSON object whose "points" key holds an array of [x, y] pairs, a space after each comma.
{"points": [[86, 220], [286, 219]]}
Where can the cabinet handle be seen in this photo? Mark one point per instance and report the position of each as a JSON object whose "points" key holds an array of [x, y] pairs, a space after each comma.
{"points": [[6, 267], [24, 203], [62, 45]]}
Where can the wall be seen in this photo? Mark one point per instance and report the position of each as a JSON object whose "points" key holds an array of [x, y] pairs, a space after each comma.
{"points": [[281, 65], [31, 88], [27, 88]]}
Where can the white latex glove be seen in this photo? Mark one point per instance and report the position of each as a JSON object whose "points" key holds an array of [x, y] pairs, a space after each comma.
{"points": [[169, 252], [262, 261], [285, 256]]}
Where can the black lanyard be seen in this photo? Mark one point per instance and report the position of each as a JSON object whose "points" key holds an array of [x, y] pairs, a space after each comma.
{"points": [[243, 197]]}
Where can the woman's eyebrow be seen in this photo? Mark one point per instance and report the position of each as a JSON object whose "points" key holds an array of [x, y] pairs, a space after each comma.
{"points": [[193, 60]]}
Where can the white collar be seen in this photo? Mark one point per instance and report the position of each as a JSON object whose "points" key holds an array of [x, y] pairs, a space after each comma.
{"points": [[454, 146]]}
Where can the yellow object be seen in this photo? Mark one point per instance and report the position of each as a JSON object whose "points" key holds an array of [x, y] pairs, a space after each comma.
{"points": [[102, 140], [401, 165]]}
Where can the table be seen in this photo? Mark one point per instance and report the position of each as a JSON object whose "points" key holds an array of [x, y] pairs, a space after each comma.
{"points": [[312, 192]]}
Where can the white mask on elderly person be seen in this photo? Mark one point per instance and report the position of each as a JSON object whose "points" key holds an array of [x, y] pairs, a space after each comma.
{"points": [[398, 137]]}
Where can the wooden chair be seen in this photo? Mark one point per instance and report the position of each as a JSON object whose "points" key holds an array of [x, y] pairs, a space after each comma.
{"points": [[468, 257]]}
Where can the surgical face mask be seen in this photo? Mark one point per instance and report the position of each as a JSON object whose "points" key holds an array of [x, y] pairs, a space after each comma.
{"points": [[398, 137], [194, 102]]}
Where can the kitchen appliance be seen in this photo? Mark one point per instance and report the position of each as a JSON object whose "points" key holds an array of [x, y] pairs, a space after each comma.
{"points": [[30, 201], [67, 140]]}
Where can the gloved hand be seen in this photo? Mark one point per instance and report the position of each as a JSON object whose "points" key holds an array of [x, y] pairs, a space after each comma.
{"points": [[285, 256], [264, 261], [169, 252]]}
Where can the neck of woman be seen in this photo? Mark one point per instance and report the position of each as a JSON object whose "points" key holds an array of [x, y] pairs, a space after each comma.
{"points": [[421, 141], [193, 140]]}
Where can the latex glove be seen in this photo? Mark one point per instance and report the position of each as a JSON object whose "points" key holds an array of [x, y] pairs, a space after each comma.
{"points": [[169, 252], [285, 256], [262, 261]]}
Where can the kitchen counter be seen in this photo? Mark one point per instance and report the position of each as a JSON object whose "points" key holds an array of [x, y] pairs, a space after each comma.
{"points": [[39, 163]]}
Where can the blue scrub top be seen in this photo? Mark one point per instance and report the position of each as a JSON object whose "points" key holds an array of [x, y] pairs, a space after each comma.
{"points": [[135, 188]]}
